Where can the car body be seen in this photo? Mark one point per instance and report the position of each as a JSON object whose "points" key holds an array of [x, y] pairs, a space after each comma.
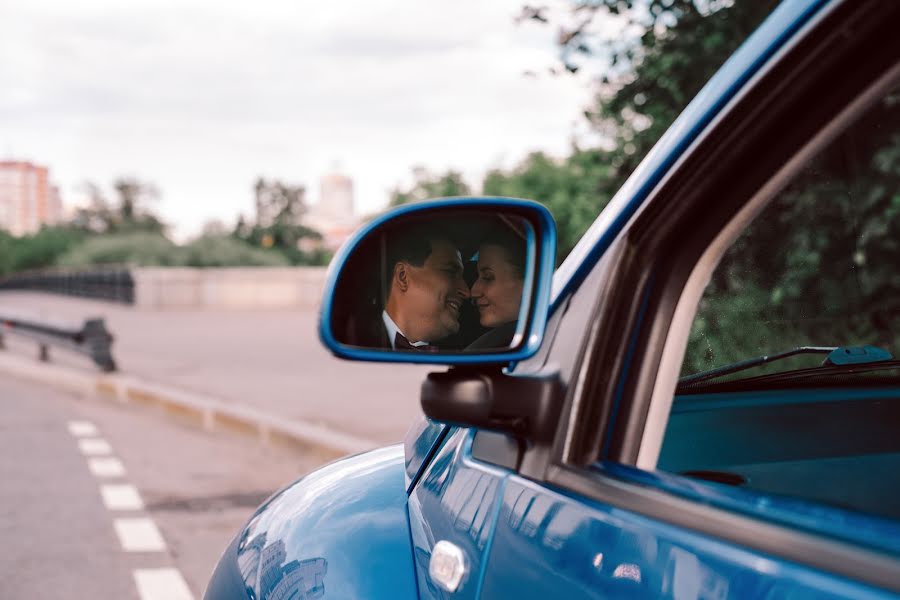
{"points": [[637, 491]]}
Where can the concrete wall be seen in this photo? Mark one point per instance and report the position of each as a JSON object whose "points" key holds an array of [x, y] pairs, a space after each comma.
{"points": [[229, 288]]}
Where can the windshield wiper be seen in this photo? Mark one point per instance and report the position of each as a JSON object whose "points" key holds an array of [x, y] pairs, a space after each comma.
{"points": [[838, 356]]}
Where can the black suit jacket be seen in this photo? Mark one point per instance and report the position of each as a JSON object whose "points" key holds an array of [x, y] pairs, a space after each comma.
{"points": [[372, 333], [499, 337]]}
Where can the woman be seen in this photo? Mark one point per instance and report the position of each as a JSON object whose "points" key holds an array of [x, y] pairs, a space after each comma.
{"points": [[497, 293]]}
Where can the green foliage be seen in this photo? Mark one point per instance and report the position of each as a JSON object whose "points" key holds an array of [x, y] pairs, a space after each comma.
{"points": [[285, 240], [38, 250], [668, 50], [681, 45], [225, 251], [278, 230], [316, 257], [428, 186], [7, 260], [570, 188], [143, 249], [819, 266], [45, 247]]}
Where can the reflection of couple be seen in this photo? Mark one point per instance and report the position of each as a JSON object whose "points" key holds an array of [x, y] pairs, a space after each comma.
{"points": [[426, 289]]}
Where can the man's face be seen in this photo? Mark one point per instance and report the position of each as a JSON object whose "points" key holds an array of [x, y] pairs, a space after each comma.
{"points": [[436, 293]]}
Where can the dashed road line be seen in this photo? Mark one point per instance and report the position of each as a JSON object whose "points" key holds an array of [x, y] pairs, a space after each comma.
{"points": [[161, 584], [121, 496], [139, 534], [82, 428], [106, 467], [136, 534], [94, 447]]}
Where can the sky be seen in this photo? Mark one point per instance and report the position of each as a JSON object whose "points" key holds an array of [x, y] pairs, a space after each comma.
{"points": [[202, 97]]}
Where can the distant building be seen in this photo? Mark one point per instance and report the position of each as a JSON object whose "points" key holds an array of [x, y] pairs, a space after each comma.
{"points": [[334, 216], [336, 197], [27, 198]]}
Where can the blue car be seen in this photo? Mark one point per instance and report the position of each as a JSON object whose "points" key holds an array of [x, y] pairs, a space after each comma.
{"points": [[701, 401]]}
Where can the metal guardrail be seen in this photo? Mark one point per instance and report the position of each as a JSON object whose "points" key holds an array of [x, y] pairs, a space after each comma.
{"points": [[116, 284], [92, 338]]}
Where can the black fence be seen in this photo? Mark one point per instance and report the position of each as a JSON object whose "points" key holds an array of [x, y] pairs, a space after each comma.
{"points": [[116, 285]]}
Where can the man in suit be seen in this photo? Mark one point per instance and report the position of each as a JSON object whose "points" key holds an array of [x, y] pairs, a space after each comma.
{"points": [[424, 289]]}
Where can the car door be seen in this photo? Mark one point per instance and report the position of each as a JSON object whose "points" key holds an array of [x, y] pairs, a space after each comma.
{"points": [[599, 516]]}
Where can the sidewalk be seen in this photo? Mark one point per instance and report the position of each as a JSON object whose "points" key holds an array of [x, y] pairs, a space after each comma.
{"points": [[264, 362]]}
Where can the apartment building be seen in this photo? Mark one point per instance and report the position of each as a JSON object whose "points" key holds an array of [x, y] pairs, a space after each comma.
{"points": [[27, 198]]}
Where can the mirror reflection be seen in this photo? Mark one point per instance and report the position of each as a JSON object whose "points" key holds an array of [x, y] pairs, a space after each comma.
{"points": [[444, 282]]}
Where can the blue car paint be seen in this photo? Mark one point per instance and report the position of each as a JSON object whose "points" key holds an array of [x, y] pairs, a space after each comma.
{"points": [[865, 530], [542, 274], [749, 59], [419, 444], [457, 500], [340, 532], [559, 546]]}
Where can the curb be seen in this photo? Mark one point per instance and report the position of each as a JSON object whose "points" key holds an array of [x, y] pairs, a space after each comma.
{"points": [[209, 413]]}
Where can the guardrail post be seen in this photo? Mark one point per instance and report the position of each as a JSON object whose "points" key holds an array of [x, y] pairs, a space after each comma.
{"points": [[43, 353], [98, 341]]}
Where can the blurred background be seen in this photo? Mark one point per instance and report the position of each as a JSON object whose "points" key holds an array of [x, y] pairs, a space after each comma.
{"points": [[184, 171]]}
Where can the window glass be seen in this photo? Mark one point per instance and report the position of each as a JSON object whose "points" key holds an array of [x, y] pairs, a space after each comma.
{"points": [[820, 268]]}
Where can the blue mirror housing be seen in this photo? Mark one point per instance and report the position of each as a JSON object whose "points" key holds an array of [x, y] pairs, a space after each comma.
{"points": [[450, 281]]}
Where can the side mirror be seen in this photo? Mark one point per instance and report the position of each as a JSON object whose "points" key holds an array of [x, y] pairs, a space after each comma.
{"points": [[454, 281]]}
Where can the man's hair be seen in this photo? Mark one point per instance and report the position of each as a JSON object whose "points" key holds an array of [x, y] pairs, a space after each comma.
{"points": [[412, 243]]}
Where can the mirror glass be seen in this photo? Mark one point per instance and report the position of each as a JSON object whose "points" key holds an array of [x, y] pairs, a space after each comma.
{"points": [[443, 281]]}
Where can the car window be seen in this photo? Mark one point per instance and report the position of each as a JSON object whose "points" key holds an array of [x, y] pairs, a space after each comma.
{"points": [[818, 270]]}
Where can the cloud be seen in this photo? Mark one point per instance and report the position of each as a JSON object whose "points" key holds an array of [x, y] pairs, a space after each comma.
{"points": [[201, 97]]}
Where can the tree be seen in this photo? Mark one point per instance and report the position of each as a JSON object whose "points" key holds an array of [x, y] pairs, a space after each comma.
{"points": [[427, 186], [278, 203], [129, 211], [278, 226], [132, 203], [663, 54]]}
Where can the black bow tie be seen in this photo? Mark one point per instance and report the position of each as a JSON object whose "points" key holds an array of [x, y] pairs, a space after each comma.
{"points": [[401, 343]]}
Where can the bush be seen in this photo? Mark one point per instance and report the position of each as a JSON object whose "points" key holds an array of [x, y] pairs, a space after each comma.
{"points": [[225, 251], [133, 249]]}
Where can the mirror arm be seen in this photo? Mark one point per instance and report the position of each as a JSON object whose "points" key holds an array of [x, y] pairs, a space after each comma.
{"points": [[484, 397]]}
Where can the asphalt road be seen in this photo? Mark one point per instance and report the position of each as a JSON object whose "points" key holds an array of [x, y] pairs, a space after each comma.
{"points": [[270, 360], [100, 500]]}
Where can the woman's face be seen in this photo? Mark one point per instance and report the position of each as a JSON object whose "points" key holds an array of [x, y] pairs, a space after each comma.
{"points": [[498, 290]]}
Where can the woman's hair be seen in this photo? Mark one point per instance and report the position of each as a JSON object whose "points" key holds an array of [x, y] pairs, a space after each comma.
{"points": [[513, 244]]}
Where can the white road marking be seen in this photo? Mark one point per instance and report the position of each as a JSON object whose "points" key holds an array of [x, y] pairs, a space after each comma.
{"points": [[139, 535], [94, 447], [106, 466], [161, 584], [121, 496], [82, 428]]}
